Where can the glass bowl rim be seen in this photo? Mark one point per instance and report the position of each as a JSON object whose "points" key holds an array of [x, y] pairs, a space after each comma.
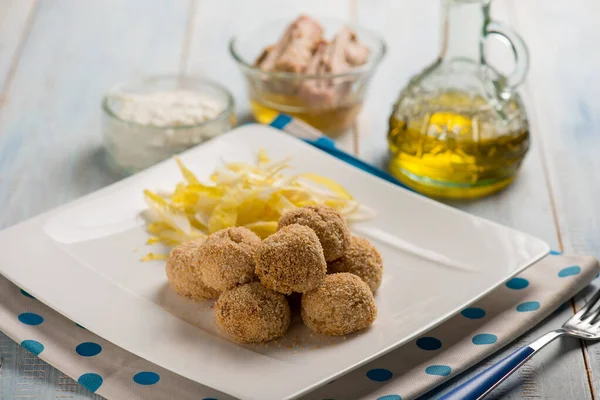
{"points": [[363, 69], [226, 112]]}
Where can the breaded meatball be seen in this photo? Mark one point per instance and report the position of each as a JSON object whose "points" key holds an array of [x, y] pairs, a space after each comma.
{"points": [[182, 272], [252, 313], [226, 258], [291, 260], [328, 224], [361, 259], [341, 304]]}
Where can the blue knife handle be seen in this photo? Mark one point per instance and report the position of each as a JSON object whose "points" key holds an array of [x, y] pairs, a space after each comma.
{"points": [[328, 146], [478, 386], [281, 121]]}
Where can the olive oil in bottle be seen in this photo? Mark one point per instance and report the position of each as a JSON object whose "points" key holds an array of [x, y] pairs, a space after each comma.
{"points": [[453, 146], [459, 128]]}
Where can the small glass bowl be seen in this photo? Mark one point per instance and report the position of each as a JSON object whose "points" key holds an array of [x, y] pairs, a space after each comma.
{"points": [[132, 146], [272, 93]]}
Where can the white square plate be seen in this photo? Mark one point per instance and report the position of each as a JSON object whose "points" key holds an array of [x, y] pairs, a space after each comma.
{"points": [[81, 260]]}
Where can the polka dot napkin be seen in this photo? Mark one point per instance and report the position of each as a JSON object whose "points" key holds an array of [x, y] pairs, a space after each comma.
{"points": [[405, 373]]}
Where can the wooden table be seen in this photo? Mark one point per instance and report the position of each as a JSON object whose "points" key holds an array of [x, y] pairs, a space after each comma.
{"points": [[58, 57]]}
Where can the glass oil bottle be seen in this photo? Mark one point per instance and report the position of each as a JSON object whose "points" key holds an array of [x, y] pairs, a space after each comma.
{"points": [[459, 129]]}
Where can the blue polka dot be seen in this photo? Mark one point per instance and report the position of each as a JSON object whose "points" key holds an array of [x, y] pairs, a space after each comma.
{"points": [[569, 271], [146, 378], [380, 375], [528, 306], [30, 319], [555, 253], [441, 370], [473, 313], [91, 382], [390, 397], [33, 346], [24, 293], [517, 283], [88, 349], [429, 343], [484, 338]]}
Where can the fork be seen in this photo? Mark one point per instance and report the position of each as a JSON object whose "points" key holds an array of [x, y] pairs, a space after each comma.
{"points": [[583, 325]]}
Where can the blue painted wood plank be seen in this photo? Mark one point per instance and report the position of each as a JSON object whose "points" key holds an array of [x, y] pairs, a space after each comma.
{"points": [[50, 140], [565, 87], [50, 143], [15, 18], [21, 373], [526, 205]]}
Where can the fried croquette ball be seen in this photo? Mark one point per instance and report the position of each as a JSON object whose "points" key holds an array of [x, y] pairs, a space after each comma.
{"points": [[182, 272], [226, 258], [252, 313], [340, 305], [328, 224], [291, 260], [361, 259]]}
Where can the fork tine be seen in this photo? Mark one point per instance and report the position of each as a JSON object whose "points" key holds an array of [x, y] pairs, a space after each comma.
{"points": [[587, 309], [596, 317]]}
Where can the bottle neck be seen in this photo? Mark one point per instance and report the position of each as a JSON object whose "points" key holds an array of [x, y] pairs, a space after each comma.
{"points": [[463, 27]]}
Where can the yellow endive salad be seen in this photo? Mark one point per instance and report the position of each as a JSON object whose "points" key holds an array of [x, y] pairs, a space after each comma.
{"points": [[254, 196]]}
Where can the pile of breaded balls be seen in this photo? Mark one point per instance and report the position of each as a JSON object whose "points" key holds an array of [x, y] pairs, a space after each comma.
{"points": [[312, 256]]}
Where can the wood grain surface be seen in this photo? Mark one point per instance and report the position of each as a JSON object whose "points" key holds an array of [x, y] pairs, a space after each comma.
{"points": [[15, 19], [58, 57], [564, 87], [526, 205]]}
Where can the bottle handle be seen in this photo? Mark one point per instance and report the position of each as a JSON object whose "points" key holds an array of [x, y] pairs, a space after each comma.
{"points": [[508, 84]]}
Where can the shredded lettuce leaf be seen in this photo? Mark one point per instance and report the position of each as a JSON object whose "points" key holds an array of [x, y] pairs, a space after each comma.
{"points": [[241, 194]]}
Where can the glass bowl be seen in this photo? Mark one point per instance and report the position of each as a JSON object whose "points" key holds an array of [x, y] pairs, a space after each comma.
{"points": [[135, 141], [272, 93]]}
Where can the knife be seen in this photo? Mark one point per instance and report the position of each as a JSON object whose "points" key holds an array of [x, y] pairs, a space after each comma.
{"points": [[312, 136]]}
